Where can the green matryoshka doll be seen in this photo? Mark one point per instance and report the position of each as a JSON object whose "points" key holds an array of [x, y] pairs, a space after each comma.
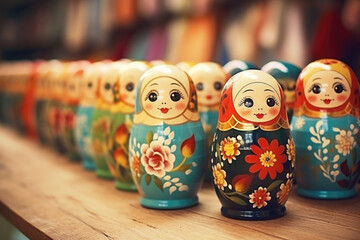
{"points": [[122, 112]]}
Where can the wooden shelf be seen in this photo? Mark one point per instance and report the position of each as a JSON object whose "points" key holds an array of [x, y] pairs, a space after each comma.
{"points": [[47, 197]]}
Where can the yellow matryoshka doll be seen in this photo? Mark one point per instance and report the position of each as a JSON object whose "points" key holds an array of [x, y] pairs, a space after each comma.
{"points": [[167, 150], [252, 151], [122, 113], [325, 127], [209, 79]]}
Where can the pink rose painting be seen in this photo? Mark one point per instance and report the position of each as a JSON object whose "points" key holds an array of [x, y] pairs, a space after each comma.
{"points": [[157, 158]]}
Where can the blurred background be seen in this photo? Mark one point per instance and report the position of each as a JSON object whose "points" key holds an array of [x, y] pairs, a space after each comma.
{"points": [[297, 31]]}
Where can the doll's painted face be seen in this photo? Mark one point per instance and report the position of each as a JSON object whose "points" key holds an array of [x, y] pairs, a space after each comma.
{"points": [[208, 90], [106, 87], [164, 98], [90, 86], [257, 102], [288, 86], [327, 89], [127, 91]]}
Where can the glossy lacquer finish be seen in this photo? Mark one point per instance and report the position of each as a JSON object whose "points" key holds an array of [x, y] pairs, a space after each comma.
{"points": [[325, 127], [167, 141], [253, 151], [286, 74]]}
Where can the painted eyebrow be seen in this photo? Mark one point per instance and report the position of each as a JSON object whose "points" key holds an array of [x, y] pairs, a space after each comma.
{"points": [[154, 84], [268, 90], [248, 90], [175, 84], [339, 78], [315, 79]]}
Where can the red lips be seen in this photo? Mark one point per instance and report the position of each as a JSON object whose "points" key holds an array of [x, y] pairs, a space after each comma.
{"points": [[164, 110], [259, 115], [208, 97], [327, 101]]}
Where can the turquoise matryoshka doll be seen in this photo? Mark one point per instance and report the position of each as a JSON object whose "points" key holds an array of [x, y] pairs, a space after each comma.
{"points": [[122, 112], [88, 87], [253, 151], [235, 66], [286, 74], [325, 127], [167, 142], [209, 79], [100, 125]]}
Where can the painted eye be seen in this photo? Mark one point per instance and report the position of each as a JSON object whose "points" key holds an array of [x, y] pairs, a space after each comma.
{"points": [[248, 102], [316, 89], [200, 86], [107, 86], [152, 97], [270, 102], [338, 88], [175, 96], [89, 84], [217, 86], [129, 87]]}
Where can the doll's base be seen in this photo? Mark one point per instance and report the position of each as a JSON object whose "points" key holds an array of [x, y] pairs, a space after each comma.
{"points": [[125, 186], [89, 166], [341, 194], [253, 214], [101, 173], [169, 204]]}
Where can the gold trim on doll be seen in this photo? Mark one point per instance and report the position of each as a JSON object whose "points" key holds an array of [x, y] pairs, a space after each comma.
{"points": [[166, 95]]}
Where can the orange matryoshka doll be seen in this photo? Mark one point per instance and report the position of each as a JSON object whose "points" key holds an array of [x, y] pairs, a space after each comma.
{"points": [[252, 149], [325, 127]]}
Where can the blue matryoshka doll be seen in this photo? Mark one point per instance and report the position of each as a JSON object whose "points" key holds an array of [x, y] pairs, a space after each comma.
{"points": [[167, 142], [286, 74], [325, 127], [253, 150], [209, 79], [122, 112], [235, 66], [88, 87]]}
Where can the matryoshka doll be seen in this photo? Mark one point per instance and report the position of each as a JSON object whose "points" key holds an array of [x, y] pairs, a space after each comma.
{"points": [[122, 113], [235, 66], [70, 104], [209, 79], [253, 150], [286, 74], [167, 142], [100, 124], [325, 127], [88, 87]]}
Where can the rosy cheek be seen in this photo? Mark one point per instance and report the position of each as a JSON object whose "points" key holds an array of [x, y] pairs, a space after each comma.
{"points": [[273, 111], [148, 106], [312, 98], [180, 106], [341, 98], [246, 112]]}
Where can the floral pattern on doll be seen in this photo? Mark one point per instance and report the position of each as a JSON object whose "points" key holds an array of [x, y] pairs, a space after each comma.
{"points": [[344, 142], [155, 160]]}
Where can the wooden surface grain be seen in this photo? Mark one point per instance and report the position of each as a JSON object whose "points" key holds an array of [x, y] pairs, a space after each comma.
{"points": [[48, 197]]}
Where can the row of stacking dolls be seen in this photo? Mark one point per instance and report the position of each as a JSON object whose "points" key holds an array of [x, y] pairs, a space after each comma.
{"points": [[157, 129]]}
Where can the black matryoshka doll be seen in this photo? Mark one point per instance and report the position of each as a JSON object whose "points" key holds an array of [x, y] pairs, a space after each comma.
{"points": [[252, 149], [286, 74], [167, 149]]}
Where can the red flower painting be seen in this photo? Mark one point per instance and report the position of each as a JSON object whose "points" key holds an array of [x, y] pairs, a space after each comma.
{"points": [[267, 158]]}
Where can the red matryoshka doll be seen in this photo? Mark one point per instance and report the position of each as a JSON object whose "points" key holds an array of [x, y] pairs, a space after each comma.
{"points": [[325, 127], [252, 149]]}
